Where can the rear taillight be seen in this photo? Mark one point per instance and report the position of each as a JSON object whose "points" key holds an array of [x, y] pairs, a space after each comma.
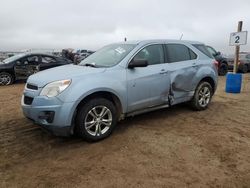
{"points": [[216, 64]]}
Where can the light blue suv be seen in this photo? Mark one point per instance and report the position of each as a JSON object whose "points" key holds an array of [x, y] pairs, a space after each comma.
{"points": [[120, 80]]}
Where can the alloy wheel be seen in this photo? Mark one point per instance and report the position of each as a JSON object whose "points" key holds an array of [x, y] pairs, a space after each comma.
{"points": [[204, 96], [98, 120], [5, 79]]}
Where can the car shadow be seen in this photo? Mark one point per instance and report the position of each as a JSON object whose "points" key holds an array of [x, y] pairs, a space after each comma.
{"points": [[37, 139]]}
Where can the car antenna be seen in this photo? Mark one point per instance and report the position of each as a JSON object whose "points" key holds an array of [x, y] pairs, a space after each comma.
{"points": [[181, 36]]}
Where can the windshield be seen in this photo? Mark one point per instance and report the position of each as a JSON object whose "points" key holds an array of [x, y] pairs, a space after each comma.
{"points": [[108, 56], [13, 58]]}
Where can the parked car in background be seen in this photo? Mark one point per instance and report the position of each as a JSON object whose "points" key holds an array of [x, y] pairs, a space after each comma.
{"points": [[222, 61], [82, 55], [243, 64], [23, 65], [68, 53], [120, 80]]}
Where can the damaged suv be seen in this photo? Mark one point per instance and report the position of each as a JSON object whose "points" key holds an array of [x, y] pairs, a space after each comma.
{"points": [[119, 80]]}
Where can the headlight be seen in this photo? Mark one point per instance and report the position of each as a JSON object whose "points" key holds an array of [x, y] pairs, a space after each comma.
{"points": [[55, 88]]}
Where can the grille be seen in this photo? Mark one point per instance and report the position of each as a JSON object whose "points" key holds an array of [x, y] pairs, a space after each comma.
{"points": [[28, 100], [33, 87]]}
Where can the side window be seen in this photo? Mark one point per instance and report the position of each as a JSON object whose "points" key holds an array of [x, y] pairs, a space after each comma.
{"points": [[248, 56], [192, 55], [28, 60], [202, 48], [154, 54], [32, 59], [179, 52], [211, 50], [47, 59]]}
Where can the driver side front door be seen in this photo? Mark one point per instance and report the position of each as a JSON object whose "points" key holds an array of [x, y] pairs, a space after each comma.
{"points": [[148, 86]]}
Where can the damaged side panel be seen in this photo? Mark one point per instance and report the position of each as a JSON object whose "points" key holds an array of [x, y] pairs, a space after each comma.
{"points": [[183, 81]]}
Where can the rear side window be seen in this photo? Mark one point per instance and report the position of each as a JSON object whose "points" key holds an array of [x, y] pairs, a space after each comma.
{"points": [[179, 52], [47, 59], [202, 48], [211, 50], [32, 59]]}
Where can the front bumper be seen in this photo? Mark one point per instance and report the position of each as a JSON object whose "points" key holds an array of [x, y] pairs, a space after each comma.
{"points": [[50, 113]]}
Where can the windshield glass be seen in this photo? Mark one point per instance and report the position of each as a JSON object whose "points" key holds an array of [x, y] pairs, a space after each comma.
{"points": [[108, 56], [13, 58]]}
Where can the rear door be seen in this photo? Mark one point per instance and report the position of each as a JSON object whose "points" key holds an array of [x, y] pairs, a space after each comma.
{"points": [[148, 86], [183, 66]]}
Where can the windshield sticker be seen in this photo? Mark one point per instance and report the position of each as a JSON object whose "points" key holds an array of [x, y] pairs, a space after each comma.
{"points": [[120, 50]]}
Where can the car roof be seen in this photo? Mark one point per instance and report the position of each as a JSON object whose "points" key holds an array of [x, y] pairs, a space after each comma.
{"points": [[35, 53], [160, 41]]}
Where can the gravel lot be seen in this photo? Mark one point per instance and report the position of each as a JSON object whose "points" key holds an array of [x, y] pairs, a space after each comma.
{"points": [[174, 147]]}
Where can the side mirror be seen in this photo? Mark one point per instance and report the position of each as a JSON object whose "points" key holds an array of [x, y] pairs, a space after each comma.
{"points": [[218, 53], [138, 63], [18, 63]]}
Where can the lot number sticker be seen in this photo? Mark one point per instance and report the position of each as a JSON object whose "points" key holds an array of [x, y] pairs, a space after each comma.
{"points": [[238, 38]]}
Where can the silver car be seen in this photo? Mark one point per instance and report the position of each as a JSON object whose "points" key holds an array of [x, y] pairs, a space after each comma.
{"points": [[117, 81]]}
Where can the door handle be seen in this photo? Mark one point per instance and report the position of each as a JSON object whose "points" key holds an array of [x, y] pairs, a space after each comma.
{"points": [[194, 65], [163, 71]]}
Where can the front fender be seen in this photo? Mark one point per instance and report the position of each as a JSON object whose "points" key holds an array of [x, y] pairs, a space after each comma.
{"points": [[79, 89]]}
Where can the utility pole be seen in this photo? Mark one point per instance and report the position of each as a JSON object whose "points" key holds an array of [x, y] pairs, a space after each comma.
{"points": [[237, 49]]}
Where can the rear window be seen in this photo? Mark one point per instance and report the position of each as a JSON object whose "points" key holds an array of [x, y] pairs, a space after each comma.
{"points": [[202, 48]]}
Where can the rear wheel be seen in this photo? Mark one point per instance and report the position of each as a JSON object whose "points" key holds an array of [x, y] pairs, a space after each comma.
{"points": [[202, 96], [223, 69], [96, 119], [6, 79]]}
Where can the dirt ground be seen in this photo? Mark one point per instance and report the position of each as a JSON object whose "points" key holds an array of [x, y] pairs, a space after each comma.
{"points": [[174, 147]]}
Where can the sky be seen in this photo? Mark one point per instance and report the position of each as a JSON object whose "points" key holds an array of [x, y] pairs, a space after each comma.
{"points": [[86, 24]]}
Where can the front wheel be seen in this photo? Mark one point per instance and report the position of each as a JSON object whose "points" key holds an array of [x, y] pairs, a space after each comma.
{"points": [[6, 79], [96, 119], [202, 96]]}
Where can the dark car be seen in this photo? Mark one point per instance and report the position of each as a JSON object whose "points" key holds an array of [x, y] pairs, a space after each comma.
{"points": [[223, 63], [21, 66], [243, 63], [82, 55]]}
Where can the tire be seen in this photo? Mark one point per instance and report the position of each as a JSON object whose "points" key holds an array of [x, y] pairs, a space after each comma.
{"points": [[244, 69], [202, 96], [90, 124], [6, 79], [223, 69]]}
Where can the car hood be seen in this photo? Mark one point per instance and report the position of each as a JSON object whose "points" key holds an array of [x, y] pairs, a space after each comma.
{"points": [[42, 78]]}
